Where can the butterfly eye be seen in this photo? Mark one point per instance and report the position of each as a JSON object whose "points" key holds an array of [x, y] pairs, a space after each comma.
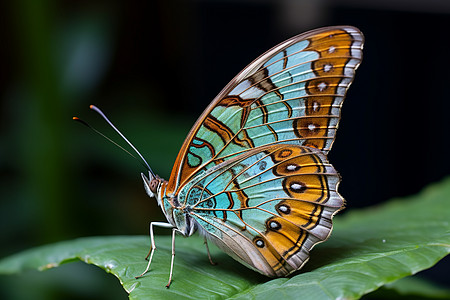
{"points": [[154, 185]]}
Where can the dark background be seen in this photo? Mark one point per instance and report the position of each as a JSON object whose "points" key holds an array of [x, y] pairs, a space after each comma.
{"points": [[153, 66]]}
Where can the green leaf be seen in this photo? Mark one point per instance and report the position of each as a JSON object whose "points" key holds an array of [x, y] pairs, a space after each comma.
{"points": [[368, 249], [410, 288]]}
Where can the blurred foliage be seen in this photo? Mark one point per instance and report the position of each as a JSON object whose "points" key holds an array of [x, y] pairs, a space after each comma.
{"points": [[70, 281], [153, 66], [52, 168]]}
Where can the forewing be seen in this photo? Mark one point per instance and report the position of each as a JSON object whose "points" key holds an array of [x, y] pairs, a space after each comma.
{"points": [[291, 94], [267, 207]]}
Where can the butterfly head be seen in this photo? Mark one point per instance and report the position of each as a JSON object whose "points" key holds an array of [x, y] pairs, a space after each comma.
{"points": [[152, 184]]}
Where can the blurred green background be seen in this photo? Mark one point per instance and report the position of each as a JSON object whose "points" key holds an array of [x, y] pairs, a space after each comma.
{"points": [[153, 66]]}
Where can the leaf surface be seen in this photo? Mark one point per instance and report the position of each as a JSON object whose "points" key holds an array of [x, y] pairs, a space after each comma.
{"points": [[368, 249]]}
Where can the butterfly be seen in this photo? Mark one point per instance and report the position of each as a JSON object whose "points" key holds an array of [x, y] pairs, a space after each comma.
{"points": [[252, 176]]}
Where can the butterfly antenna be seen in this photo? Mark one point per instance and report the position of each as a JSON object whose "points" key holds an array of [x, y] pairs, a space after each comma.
{"points": [[96, 109]]}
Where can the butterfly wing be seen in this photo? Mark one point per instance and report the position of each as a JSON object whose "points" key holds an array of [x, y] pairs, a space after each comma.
{"points": [[267, 207], [291, 94]]}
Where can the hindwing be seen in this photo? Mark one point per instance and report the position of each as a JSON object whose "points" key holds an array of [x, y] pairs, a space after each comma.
{"points": [[267, 207]]}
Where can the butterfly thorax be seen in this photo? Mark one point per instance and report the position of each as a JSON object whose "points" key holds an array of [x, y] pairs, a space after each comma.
{"points": [[177, 212]]}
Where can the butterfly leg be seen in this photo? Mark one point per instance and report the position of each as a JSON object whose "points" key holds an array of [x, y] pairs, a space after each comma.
{"points": [[209, 254], [174, 231], [153, 248]]}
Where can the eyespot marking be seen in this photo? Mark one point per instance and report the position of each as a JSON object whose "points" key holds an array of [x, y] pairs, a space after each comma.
{"points": [[316, 106], [327, 67], [283, 208], [285, 153], [259, 243], [297, 187], [274, 225], [292, 167], [262, 165], [322, 86]]}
